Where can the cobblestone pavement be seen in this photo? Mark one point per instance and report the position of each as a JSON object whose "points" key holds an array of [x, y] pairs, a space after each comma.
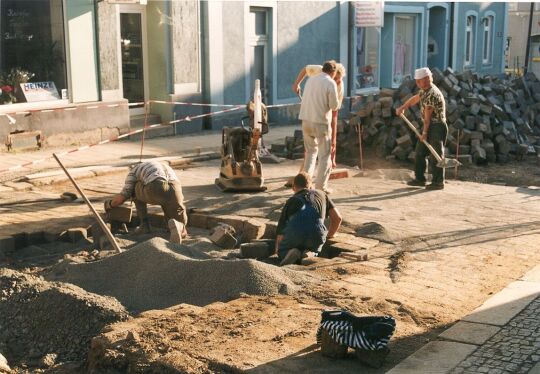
{"points": [[514, 349]]}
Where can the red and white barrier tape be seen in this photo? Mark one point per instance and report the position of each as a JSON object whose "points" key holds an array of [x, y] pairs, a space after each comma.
{"points": [[68, 108], [150, 127]]}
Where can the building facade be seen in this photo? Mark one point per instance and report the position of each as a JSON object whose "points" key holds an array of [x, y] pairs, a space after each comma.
{"points": [[518, 31], [115, 52]]}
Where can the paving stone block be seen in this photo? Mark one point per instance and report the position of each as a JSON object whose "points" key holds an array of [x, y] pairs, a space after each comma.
{"points": [[74, 235], [35, 237], [503, 306], [471, 333], [223, 236], [253, 229], [434, 358]]}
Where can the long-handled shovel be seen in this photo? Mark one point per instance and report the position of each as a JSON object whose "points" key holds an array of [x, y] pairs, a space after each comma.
{"points": [[441, 162]]}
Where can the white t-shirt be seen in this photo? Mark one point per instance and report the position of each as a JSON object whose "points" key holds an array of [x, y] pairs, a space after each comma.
{"points": [[319, 100], [312, 70]]}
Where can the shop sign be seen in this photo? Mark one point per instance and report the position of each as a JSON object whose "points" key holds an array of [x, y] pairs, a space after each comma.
{"points": [[39, 91], [369, 13]]}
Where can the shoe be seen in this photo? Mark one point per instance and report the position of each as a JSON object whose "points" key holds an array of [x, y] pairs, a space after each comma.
{"points": [[416, 183], [176, 228], [435, 186], [292, 257]]}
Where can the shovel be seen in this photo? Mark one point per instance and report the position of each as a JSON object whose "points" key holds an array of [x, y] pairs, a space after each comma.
{"points": [[441, 162]]}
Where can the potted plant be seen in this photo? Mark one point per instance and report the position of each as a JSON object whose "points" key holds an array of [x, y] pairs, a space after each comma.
{"points": [[10, 84]]}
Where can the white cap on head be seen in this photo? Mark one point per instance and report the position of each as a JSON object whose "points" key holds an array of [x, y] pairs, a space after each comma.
{"points": [[422, 73]]}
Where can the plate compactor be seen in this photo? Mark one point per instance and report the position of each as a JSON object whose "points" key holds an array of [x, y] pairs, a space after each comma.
{"points": [[240, 165]]}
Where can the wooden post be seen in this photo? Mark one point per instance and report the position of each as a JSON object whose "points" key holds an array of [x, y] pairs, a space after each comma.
{"points": [[94, 212], [146, 110], [360, 148], [457, 153]]}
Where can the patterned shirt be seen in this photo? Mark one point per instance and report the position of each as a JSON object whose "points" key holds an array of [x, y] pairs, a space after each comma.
{"points": [[434, 98], [146, 172]]}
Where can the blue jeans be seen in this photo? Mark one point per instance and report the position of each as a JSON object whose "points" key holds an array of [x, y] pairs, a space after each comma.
{"points": [[293, 237]]}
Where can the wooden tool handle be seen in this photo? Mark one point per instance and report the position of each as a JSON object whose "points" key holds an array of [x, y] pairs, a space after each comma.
{"points": [[429, 147]]}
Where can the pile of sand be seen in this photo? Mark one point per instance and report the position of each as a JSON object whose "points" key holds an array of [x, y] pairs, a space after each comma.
{"points": [[373, 230], [152, 275], [39, 318]]}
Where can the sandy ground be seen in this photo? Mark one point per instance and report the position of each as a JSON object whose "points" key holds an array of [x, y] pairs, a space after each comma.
{"points": [[452, 249]]}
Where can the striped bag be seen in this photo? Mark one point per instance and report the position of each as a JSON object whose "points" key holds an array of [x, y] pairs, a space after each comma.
{"points": [[370, 333]]}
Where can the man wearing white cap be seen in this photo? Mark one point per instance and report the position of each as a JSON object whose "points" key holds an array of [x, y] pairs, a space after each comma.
{"points": [[435, 130]]}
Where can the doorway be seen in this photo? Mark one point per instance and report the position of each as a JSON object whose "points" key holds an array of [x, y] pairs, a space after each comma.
{"points": [[259, 42], [133, 51], [437, 34], [404, 48]]}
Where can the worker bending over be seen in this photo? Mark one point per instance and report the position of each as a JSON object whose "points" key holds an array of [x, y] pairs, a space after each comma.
{"points": [[154, 183], [301, 224]]}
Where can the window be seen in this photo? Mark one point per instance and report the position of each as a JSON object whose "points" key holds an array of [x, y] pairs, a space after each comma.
{"points": [[32, 39], [366, 65], [469, 40], [487, 22], [404, 48]]}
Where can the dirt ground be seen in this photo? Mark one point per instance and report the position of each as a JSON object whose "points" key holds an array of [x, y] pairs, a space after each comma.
{"points": [[449, 250]]}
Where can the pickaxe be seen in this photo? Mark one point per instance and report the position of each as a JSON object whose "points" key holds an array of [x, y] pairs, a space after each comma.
{"points": [[441, 162]]}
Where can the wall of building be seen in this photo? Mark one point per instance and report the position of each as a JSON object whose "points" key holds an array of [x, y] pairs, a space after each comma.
{"points": [[479, 10], [305, 35]]}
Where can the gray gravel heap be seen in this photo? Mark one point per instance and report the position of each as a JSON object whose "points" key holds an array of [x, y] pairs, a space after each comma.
{"points": [[152, 276], [39, 318]]}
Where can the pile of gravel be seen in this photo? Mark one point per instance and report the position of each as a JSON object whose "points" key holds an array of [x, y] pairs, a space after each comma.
{"points": [[373, 230], [152, 275], [41, 320]]}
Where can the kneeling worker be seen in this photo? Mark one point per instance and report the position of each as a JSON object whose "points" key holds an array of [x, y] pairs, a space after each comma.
{"points": [[154, 183], [301, 225]]}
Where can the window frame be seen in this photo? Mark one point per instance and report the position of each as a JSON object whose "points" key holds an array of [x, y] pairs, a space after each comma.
{"points": [[487, 56], [470, 39]]}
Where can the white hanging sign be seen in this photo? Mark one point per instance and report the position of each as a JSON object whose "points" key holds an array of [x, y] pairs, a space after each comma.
{"points": [[369, 13]]}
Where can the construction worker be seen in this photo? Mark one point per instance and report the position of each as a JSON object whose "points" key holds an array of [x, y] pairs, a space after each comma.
{"points": [[301, 224], [154, 183], [311, 71], [435, 130]]}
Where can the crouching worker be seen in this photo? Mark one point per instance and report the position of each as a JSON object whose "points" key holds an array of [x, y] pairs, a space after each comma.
{"points": [[154, 183], [301, 225]]}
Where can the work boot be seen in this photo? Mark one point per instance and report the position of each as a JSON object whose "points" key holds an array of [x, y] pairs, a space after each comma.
{"points": [[416, 183], [435, 186], [292, 257], [143, 228], [176, 228]]}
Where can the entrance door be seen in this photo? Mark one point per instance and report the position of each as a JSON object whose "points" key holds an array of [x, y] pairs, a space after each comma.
{"points": [[258, 51], [134, 57], [437, 34]]}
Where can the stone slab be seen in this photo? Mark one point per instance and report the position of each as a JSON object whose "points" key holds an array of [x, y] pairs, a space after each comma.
{"points": [[503, 306], [434, 358], [470, 333], [532, 275]]}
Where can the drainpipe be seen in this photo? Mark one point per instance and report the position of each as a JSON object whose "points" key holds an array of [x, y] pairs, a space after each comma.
{"points": [[527, 50], [352, 52], [451, 37]]}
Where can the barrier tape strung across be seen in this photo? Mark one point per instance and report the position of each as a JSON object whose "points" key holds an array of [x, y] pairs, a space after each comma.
{"points": [[150, 127], [89, 107], [69, 108]]}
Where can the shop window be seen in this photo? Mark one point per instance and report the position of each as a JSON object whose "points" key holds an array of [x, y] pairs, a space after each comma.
{"points": [[404, 45], [487, 22], [366, 65], [469, 40], [32, 40]]}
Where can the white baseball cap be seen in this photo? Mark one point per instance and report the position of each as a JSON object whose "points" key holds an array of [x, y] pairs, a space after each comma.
{"points": [[422, 73]]}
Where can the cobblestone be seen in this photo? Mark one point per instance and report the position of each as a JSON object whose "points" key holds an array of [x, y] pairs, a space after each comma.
{"points": [[511, 348]]}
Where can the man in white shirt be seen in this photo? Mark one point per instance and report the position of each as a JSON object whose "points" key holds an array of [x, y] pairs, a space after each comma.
{"points": [[311, 71], [319, 100]]}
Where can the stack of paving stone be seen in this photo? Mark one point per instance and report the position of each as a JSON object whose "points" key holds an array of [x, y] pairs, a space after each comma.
{"points": [[490, 119], [292, 149]]}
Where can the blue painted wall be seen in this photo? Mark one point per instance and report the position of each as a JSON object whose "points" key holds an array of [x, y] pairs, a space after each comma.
{"points": [[480, 10]]}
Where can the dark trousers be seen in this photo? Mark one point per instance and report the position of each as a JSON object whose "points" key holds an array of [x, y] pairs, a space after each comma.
{"points": [[159, 192], [437, 138]]}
